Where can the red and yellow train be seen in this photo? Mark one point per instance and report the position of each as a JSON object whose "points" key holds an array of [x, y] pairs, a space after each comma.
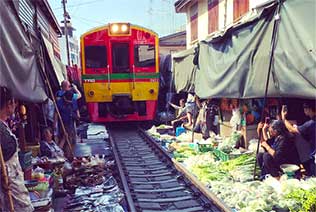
{"points": [[120, 72]]}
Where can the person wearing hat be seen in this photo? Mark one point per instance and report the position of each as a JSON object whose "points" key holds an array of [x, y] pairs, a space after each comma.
{"points": [[307, 131], [279, 149]]}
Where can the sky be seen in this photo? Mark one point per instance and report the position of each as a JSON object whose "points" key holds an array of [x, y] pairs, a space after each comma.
{"points": [[157, 15]]}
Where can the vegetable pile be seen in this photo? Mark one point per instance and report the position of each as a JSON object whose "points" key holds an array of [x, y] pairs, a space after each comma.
{"points": [[232, 181]]}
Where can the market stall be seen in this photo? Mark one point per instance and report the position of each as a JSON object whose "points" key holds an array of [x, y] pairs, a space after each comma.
{"points": [[86, 183], [228, 173]]}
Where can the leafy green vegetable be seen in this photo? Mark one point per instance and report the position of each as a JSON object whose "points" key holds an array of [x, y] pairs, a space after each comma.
{"points": [[305, 200]]}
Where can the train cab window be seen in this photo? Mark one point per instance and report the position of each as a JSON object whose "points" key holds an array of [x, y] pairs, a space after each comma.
{"points": [[95, 56], [144, 55], [120, 57]]}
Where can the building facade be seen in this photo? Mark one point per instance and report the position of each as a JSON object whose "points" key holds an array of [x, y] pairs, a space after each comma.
{"points": [[36, 15], [205, 17], [172, 43], [73, 46]]}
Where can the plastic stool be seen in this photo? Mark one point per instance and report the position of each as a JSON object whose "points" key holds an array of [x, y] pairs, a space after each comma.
{"points": [[180, 130]]}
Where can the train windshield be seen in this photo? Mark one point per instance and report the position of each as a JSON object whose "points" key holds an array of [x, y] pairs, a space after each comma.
{"points": [[95, 57], [144, 55], [120, 57]]}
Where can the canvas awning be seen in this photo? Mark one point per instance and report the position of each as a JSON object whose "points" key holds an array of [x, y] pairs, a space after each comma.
{"points": [[19, 70], [183, 70], [234, 64], [58, 67]]}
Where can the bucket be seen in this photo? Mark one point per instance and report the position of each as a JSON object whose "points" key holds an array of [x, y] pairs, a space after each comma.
{"points": [[180, 130], [289, 169]]}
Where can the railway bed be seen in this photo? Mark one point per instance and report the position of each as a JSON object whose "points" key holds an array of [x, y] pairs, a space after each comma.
{"points": [[153, 181]]}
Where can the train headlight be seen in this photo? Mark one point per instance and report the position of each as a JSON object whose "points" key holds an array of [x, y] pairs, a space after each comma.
{"points": [[124, 28], [114, 28], [118, 29], [91, 93]]}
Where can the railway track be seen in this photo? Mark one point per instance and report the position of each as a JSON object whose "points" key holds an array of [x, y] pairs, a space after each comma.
{"points": [[152, 181]]}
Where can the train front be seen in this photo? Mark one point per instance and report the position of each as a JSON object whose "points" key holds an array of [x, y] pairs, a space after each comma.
{"points": [[120, 72]]}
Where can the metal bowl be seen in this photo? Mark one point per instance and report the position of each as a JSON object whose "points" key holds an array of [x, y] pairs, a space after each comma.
{"points": [[30, 183], [289, 168]]}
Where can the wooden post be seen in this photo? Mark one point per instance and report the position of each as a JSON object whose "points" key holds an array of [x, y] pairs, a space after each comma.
{"points": [[59, 118], [6, 181], [50, 90]]}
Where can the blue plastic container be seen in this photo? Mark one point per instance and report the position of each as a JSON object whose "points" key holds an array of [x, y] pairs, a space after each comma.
{"points": [[180, 130]]}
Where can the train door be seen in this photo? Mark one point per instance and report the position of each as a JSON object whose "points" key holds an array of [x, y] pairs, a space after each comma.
{"points": [[121, 77], [120, 58]]}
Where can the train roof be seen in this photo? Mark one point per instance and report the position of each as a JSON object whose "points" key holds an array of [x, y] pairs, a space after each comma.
{"points": [[99, 28]]}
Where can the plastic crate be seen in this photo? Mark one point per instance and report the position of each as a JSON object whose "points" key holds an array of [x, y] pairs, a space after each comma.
{"points": [[224, 156], [205, 147]]}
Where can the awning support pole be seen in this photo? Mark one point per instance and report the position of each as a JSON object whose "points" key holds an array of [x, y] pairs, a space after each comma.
{"points": [[273, 43], [50, 90]]}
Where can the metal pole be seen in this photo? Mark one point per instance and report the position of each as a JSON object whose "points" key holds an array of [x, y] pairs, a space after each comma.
{"points": [[273, 42], [66, 30]]}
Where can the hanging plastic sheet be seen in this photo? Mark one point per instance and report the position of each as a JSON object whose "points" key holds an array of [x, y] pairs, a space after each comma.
{"points": [[19, 69]]}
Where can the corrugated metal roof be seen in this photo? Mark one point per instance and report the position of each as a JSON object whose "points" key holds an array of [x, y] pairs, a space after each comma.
{"points": [[181, 4], [44, 5]]}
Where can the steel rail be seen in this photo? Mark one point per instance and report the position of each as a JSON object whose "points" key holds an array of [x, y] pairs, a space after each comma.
{"points": [[157, 185], [218, 202], [128, 195]]}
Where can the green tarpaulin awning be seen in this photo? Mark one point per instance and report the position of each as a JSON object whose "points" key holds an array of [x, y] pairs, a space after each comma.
{"points": [[235, 63], [184, 70]]}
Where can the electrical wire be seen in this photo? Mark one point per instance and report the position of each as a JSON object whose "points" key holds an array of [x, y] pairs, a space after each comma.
{"points": [[79, 4]]}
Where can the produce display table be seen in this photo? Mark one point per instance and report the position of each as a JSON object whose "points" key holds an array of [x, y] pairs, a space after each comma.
{"points": [[228, 173]]}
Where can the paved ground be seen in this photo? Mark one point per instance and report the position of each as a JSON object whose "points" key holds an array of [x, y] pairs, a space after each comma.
{"points": [[88, 147], [92, 141]]}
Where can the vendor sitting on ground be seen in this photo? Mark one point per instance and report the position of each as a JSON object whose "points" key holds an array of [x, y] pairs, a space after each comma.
{"points": [[280, 149], [48, 147], [181, 114]]}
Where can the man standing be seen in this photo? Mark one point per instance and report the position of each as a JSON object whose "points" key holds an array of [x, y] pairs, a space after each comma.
{"points": [[68, 112], [307, 131], [66, 86], [9, 145]]}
